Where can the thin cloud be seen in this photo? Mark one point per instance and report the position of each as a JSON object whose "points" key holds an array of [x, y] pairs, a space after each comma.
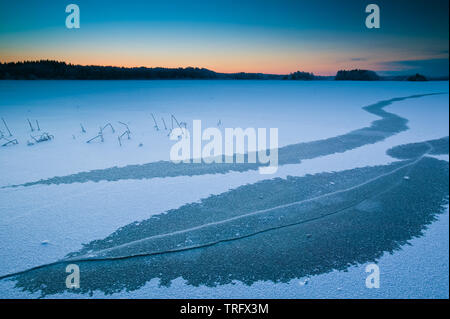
{"points": [[430, 67]]}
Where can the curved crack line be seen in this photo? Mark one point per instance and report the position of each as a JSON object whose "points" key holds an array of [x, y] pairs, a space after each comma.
{"points": [[258, 212]]}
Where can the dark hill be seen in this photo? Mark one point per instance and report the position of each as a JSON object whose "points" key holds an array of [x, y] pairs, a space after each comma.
{"points": [[357, 75]]}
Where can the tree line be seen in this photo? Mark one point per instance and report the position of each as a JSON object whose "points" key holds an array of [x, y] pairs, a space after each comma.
{"points": [[55, 70]]}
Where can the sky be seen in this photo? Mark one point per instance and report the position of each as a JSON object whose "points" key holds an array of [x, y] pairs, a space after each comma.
{"points": [[277, 37]]}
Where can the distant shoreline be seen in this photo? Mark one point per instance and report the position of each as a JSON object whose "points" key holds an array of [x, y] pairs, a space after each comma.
{"points": [[55, 70], [200, 80]]}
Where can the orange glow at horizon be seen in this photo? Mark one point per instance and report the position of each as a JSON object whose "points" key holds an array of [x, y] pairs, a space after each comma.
{"points": [[246, 64]]}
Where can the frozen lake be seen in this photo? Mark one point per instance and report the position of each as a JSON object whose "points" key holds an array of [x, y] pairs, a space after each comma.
{"points": [[338, 201]]}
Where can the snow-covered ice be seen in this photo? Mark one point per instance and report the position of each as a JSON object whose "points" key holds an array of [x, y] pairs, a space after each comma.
{"points": [[41, 224]]}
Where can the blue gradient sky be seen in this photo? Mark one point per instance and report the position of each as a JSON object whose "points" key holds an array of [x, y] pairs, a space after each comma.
{"points": [[229, 36]]}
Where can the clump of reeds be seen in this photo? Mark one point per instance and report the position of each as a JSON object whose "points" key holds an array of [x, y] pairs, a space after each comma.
{"points": [[156, 123], [98, 136], [6, 126], [127, 132], [10, 142], [42, 138], [31, 126]]}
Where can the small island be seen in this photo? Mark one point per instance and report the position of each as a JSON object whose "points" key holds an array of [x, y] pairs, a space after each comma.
{"points": [[357, 75]]}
